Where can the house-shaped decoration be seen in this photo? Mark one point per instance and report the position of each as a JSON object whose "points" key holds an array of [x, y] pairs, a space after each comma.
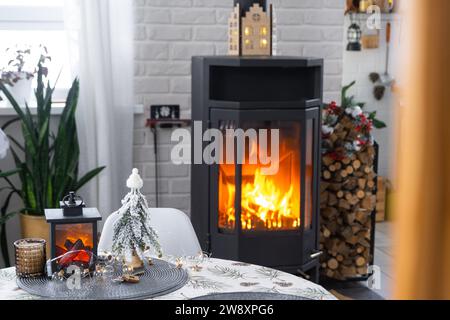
{"points": [[250, 29], [234, 30]]}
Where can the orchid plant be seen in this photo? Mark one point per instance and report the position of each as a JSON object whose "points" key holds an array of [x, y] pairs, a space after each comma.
{"points": [[22, 64]]}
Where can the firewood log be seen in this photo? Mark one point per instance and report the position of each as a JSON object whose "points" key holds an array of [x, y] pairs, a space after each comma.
{"points": [[362, 183], [327, 161], [332, 199], [360, 194], [333, 264], [349, 170], [360, 261]]}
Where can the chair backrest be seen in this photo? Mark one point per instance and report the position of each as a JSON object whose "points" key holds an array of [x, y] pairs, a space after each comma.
{"points": [[176, 234]]}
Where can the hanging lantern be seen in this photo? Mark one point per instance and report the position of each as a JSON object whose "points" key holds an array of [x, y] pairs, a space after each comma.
{"points": [[354, 35]]}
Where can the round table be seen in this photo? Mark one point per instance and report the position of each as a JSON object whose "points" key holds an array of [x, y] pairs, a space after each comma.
{"points": [[210, 277]]}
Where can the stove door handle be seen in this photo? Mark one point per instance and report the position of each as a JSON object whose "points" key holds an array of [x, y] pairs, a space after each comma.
{"points": [[316, 254]]}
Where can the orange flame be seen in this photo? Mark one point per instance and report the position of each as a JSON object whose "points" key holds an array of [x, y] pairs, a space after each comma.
{"points": [[263, 205]]}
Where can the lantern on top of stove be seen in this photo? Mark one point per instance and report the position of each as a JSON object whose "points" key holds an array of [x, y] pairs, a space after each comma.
{"points": [[354, 35], [73, 233]]}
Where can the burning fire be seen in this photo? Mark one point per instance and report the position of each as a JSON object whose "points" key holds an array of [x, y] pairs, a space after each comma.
{"points": [[263, 205]]}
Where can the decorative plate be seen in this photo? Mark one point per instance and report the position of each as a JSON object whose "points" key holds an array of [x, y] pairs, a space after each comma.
{"points": [[159, 279]]}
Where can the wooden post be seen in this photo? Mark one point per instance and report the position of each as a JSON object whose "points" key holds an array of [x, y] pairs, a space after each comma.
{"points": [[423, 206]]}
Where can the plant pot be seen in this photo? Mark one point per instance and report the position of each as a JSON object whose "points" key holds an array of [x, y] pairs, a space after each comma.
{"points": [[36, 227], [21, 91]]}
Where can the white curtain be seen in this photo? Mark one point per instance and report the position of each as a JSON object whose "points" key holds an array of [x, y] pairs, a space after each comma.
{"points": [[100, 33]]}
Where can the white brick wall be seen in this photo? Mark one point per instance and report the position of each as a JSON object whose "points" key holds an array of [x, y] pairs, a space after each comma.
{"points": [[169, 32], [358, 66]]}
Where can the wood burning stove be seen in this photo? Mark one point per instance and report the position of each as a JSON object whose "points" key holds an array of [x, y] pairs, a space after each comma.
{"points": [[238, 212], [73, 232]]}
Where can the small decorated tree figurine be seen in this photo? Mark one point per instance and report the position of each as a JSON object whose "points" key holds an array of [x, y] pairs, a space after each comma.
{"points": [[132, 231]]}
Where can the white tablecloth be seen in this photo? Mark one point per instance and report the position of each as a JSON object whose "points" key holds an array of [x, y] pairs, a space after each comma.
{"points": [[212, 276]]}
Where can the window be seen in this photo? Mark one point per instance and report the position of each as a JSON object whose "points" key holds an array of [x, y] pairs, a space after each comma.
{"points": [[31, 23]]}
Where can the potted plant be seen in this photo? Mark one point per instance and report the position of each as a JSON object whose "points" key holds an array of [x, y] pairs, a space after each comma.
{"points": [[47, 162], [18, 75]]}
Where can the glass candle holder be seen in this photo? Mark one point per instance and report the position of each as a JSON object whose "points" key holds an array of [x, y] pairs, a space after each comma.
{"points": [[30, 257]]}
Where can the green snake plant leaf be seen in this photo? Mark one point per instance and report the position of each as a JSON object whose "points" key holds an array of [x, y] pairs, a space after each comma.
{"points": [[8, 173], [48, 169], [87, 177], [10, 122], [16, 143], [26, 118]]}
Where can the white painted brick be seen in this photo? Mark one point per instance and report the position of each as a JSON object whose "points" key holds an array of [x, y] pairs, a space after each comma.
{"points": [[332, 34], [149, 186], [290, 49], [193, 16], [333, 67], [222, 16], [213, 3], [139, 69], [180, 186], [151, 85], [332, 83], [221, 48], [180, 85], [140, 32], [290, 17], [207, 33], [138, 137], [167, 170], [138, 15], [302, 4], [300, 34], [335, 4], [185, 51], [333, 51], [169, 3], [167, 32], [181, 202], [324, 17], [155, 15], [172, 68], [152, 51], [147, 154]]}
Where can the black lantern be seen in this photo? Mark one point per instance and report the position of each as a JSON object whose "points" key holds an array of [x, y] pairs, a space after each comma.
{"points": [[73, 233], [354, 34]]}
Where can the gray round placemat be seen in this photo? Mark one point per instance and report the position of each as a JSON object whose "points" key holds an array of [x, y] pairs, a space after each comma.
{"points": [[159, 279], [250, 296]]}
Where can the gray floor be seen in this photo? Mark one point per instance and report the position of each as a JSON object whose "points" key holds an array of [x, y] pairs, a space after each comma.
{"points": [[383, 260], [384, 257]]}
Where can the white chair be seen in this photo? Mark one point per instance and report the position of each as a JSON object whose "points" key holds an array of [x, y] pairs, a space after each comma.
{"points": [[176, 234]]}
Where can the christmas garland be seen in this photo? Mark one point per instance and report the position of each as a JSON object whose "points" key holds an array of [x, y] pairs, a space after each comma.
{"points": [[347, 129]]}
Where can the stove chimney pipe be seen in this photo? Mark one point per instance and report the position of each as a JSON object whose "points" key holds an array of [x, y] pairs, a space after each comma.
{"points": [[246, 4]]}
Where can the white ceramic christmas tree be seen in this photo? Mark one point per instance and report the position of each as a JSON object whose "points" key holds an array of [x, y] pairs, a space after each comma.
{"points": [[132, 233]]}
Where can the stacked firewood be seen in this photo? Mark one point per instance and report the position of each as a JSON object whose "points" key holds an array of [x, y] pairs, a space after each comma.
{"points": [[347, 202]]}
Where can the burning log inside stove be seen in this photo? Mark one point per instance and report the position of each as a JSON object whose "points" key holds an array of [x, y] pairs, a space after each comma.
{"points": [[74, 253]]}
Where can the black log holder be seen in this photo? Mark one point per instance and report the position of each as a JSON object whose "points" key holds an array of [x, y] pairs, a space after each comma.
{"points": [[372, 232]]}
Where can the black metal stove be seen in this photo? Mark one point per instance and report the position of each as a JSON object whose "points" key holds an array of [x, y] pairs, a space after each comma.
{"points": [[238, 212]]}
